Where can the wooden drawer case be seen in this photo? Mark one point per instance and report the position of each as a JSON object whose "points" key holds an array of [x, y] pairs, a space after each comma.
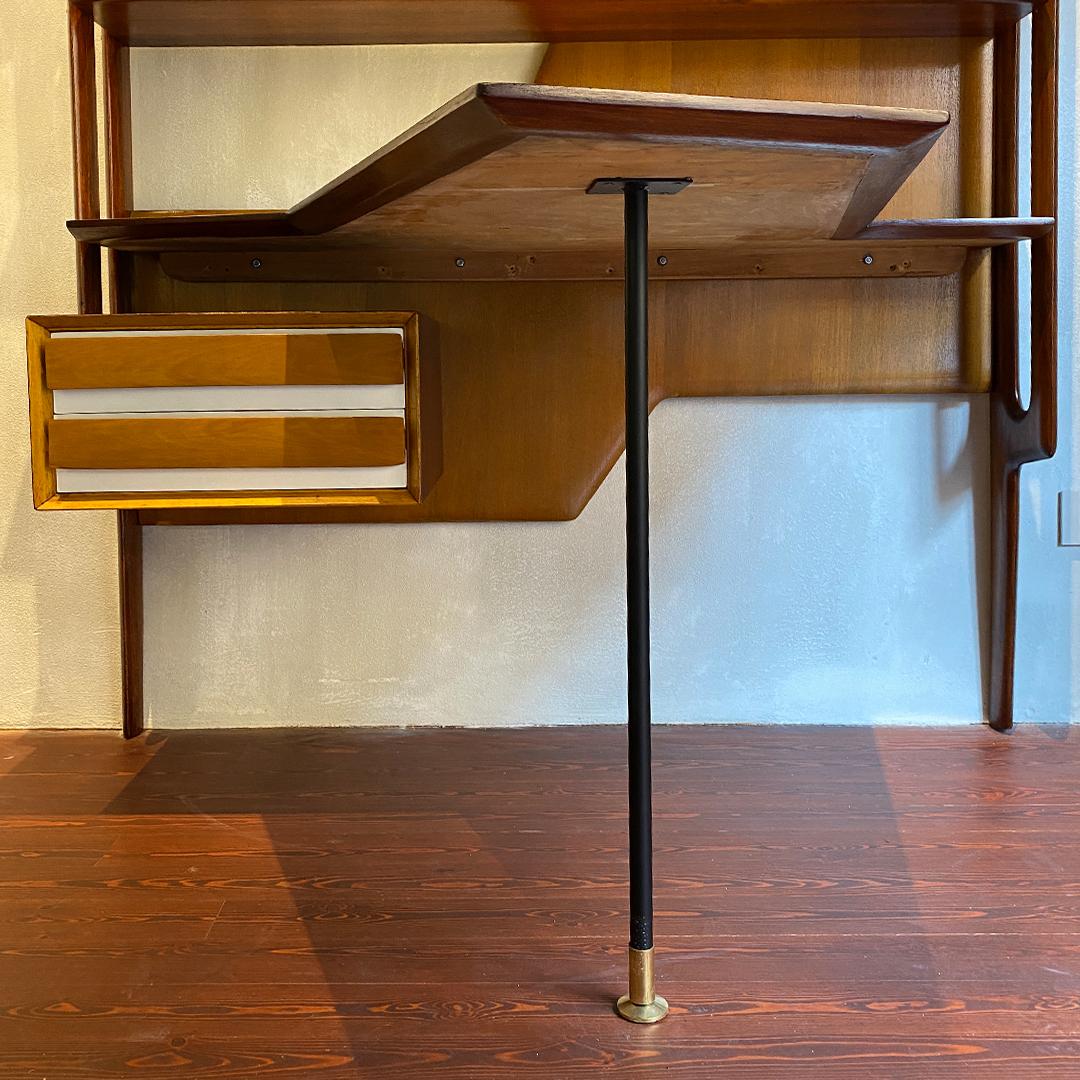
{"points": [[143, 411]]}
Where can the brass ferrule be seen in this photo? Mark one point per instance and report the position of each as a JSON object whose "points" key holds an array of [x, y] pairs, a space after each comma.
{"points": [[643, 1005], [642, 984]]}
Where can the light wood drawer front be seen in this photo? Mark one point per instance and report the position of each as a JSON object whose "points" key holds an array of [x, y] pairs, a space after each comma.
{"points": [[83, 361], [235, 442], [136, 411]]}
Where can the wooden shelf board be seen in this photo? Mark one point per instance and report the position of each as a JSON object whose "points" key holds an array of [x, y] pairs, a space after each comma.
{"points": [[885, 249], [506, 166], [967, 232], [492, 187], [340, 22]]}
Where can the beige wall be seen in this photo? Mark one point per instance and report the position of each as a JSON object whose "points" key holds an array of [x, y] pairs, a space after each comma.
{"points": [[212, 128], [58, 619], [263, 128]]}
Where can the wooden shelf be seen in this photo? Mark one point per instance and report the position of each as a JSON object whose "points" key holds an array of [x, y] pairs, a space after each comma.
{"points": [[508, 166], [358, 22], [887, 249], [493, 187]]}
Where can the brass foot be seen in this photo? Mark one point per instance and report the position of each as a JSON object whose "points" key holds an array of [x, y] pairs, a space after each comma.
{"points": [[642, 1005], [655, 1011]]}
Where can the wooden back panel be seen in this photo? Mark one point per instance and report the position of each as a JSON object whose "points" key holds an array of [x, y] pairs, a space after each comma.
{"points": [[532, 372], [358, 22]]}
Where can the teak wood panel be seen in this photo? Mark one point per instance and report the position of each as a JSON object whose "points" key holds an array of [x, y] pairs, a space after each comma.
{"points": [[227, 360], [532, 195], [532, 373], [84, 139], [295, 442], [953, 181], [410, 238], [508, 164], [888, 249], [341, 22]]}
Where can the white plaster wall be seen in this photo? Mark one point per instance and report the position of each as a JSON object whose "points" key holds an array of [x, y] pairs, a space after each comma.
{"points": [[790, 584], [58, 618]]}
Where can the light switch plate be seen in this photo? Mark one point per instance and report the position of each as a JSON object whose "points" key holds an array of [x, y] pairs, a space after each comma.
{"points": [[1069, 519]]}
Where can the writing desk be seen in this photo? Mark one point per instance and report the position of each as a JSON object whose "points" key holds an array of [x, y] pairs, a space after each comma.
{"points": [[799, 245]]}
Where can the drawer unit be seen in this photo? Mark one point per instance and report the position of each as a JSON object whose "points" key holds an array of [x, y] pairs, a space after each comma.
{"points": [[138, 411]]}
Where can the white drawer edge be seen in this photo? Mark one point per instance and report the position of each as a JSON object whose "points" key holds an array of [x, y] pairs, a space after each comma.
{"points": [[166, 400], [240, 414], [71, 481], [279, 331]]}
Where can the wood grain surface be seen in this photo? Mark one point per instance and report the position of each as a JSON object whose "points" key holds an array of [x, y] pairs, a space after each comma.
{"points": [[1019, 434], [337, 22], [84, 151], [245, 442], [228, 360], [831, 903], [532, 391], [508, 165], [933, 248]]}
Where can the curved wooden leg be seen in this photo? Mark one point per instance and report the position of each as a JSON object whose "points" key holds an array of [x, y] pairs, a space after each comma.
{"points": [[1004, 547], [1019, 435]]}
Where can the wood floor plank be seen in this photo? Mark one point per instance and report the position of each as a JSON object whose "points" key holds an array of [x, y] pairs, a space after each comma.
{"points": [[831, 903]]}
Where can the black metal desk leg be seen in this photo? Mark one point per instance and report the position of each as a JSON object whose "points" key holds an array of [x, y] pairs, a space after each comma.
{"points": [[641, 1005]]}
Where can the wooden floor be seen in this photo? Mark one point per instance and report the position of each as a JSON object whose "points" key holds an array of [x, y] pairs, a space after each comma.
{"points": [[831, 902]]}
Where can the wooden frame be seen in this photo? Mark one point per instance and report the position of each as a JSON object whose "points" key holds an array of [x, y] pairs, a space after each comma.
{"points": [[368, 22], [63, 442], [1017, 435]]}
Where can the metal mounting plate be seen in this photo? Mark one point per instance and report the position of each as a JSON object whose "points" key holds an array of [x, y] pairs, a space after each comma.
{"points": [[617, 185]]}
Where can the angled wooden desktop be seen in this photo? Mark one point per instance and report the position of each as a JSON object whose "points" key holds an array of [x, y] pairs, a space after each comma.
{"points": [[480, 348]]}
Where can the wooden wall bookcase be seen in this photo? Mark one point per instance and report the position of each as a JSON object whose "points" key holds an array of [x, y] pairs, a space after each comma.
{"points": [[850, 227], [921, 300]]}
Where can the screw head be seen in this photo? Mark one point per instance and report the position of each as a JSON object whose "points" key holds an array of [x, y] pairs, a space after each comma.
{"points": [[459, 262], [662, 261], [868, 259], [256, 264]]}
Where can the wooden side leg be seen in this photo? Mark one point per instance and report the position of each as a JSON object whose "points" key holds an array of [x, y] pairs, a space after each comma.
{"points": [[81, 40], [1019, 435], [130, 552], [115, 66], [1004, 549], [84, 140]]}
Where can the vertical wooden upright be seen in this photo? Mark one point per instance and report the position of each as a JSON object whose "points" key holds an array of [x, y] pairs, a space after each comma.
{"points": [[88, 261], [84, 138], [1019, 435], [128, 528]]}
